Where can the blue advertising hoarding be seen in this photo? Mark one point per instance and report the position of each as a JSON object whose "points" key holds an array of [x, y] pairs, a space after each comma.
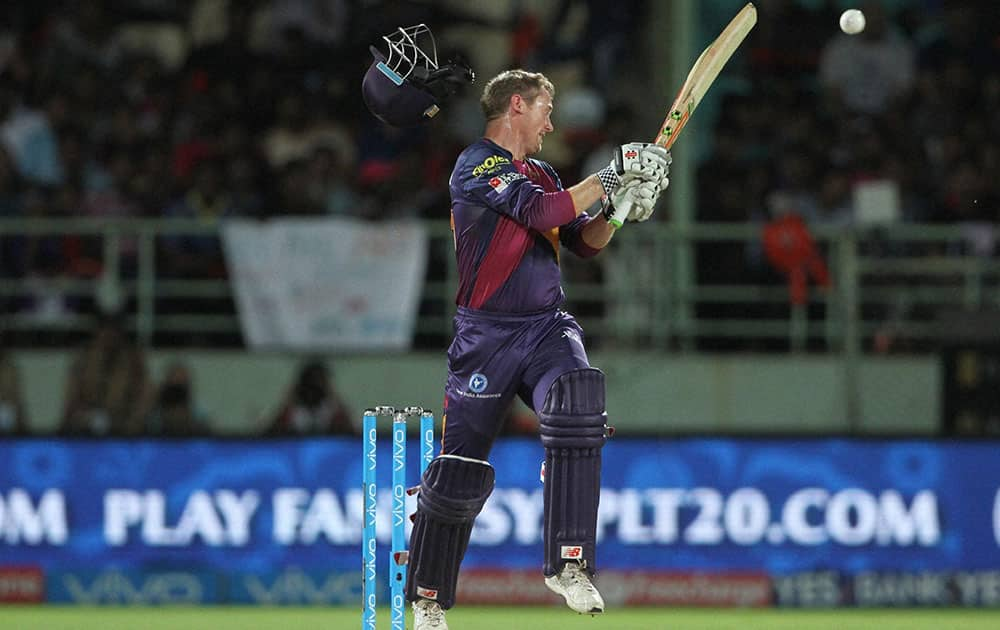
{"points": [[224, 510]]}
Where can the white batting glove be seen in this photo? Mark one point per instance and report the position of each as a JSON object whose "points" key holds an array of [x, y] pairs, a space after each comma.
{"points": [[635, 160], [658, 169], [641, 210], [635, 200]]}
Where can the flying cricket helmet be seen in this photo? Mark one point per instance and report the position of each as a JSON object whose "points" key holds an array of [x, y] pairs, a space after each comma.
{"points": [[407, 86]]}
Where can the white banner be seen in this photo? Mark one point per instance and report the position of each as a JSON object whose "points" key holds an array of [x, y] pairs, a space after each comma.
{"points": [[332, 284]]}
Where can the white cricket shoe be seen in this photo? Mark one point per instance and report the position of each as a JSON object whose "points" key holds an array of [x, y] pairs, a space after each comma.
{"points": [[573, 583], [428, 615]]}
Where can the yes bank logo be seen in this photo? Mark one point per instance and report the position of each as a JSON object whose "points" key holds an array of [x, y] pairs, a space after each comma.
{"points": [[478, 383]]}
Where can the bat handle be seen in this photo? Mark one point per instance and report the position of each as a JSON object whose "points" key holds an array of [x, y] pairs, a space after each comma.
{"points": [[619, 212]]}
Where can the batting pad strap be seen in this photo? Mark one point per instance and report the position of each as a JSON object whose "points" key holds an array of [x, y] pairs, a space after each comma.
{"points": [[579, 436]]}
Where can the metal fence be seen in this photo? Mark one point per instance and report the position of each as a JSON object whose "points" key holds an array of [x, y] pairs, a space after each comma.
{"points": [[907, 287]]}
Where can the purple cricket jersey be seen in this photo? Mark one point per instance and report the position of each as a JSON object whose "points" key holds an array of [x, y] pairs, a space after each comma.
{"points": [[509, 218]]}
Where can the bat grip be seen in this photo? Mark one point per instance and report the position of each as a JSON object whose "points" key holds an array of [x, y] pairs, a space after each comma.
{"points": [[619, 212]]}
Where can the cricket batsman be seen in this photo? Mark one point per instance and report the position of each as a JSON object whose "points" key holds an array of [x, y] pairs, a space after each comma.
{"points": [[511, 216]]}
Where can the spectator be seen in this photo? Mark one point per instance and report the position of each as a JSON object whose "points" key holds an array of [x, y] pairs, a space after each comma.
{"points": [[46, 259], [608, 34], [83, 34], [330, 184], [298, 132], [13, 417], [11, 186], [269, 89], [27, 135], [176, 412], [293, 192], [313, 406], [834, 205], [107, 388], [247, 199], [964, 39], [11, 193], [79, 166], [322, 22], [208, 201], [105, 197]]}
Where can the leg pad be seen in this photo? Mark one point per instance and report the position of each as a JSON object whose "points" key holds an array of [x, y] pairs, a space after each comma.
{"points": [[573, 414], [452, 493], [574, 429]]}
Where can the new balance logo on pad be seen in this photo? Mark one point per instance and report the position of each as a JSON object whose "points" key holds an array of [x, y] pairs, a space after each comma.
{"points": [[571, 552], [427, 593]]}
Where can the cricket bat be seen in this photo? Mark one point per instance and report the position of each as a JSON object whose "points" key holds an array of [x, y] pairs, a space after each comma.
{"points": [[703, 73], [701, 76]]}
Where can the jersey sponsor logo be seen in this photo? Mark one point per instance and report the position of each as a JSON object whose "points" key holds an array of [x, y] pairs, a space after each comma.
{"points": [[501, 181], [490, 165], [478, 383], [571, 552], [427, 593]]}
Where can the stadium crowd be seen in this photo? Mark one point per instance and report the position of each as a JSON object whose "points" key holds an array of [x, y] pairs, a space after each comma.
{"points": [[907, 107], [216, 108], [909, 100]]}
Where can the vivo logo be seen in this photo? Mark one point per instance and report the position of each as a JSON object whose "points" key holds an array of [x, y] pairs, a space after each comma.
{"points": [[294, 586], [114, 587], [370, 452], [398, 447], [429, 443]]}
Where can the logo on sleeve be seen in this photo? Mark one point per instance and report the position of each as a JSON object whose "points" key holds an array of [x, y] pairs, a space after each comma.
{"points": [[500, 182], [490, 165]]}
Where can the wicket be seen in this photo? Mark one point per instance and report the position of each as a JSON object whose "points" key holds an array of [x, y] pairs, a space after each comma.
{"points": [[398, 555]]}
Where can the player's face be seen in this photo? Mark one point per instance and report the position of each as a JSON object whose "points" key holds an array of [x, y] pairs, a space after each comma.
{"points": [[539, 121]]}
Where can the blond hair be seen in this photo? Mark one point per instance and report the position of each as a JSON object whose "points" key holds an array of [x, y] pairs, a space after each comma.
{"points": [[499, 89]]}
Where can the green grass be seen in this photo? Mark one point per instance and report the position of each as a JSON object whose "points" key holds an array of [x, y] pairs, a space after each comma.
{"points": [[476, 618]]}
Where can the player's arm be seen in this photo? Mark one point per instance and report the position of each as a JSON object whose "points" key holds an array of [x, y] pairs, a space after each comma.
{"points": [[597, 232], [635, 161], [586, 193], [506, 190], [634, 200], [637, 195]]}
